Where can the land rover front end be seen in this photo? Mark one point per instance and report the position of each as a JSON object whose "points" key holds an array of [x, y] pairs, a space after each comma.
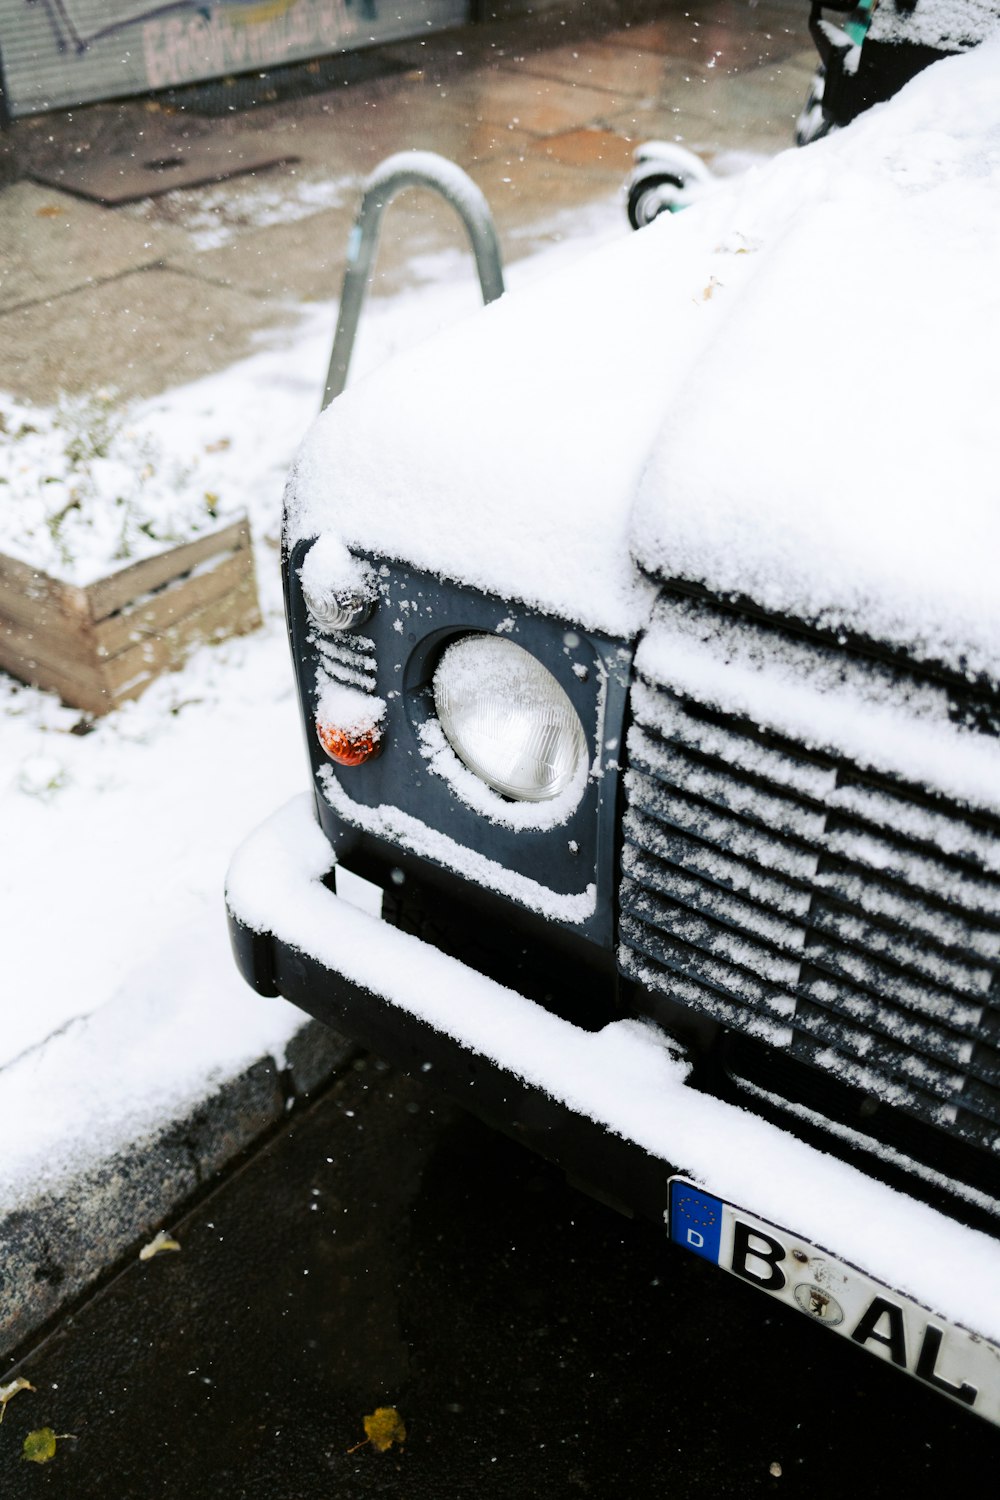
{"points": [[652, 697]]}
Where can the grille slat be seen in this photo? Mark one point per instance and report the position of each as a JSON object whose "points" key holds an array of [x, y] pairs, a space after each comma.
{"points": [[867, 847], [927, 1088], [825, 935], [349, 661], [924, 1033], [851, 918], [891, 913]]}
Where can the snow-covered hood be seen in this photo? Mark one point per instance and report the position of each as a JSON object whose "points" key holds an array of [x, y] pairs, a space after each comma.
{"points": [[788, 392]]}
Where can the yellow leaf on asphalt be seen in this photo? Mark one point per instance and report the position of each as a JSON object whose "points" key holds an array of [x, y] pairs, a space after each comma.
{"points": [[158, 1243], [39, 1446], [385, 1427], [7, 1391]]}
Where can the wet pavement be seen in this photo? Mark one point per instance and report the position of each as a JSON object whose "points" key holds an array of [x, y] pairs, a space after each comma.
{"points": [[543, 113], [386, 1250]]}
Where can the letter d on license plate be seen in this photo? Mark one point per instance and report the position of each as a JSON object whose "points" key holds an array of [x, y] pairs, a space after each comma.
{"points": [[944, 1355]]}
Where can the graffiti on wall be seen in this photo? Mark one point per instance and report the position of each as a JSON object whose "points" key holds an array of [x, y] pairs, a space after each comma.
{"points": [[59, 52], [189, 38], [233, 37]]}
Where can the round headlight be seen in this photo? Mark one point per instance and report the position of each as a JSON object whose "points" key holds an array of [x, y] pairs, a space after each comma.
{"points": [[507, 718]]}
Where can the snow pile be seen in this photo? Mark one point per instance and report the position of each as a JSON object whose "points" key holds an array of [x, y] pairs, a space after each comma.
{"points": [[950, 25], [87, 488], [328, 571], [346, 711], [845, 469], [181, 1024]]}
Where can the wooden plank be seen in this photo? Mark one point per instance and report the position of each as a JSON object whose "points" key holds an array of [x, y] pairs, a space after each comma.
{"points": [[125, 587], [31, 596], [98, 646], [32, 660], [42, 615], [130, 672], [47, 638], [21, 644], [176, 600], [75, 691]]}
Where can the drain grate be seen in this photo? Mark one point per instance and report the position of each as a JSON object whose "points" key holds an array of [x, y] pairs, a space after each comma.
{"points": [[180, 163]]}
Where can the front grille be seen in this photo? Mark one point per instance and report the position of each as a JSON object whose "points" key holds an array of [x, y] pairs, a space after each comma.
{"points": [[348, 659], [842, 913]]}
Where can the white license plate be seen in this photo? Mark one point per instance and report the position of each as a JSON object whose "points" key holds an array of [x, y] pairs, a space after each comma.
{"points": [[942, 1354]]}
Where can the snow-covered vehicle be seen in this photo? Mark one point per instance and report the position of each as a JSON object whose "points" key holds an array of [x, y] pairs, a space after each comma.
{"points": [[647, 634]]}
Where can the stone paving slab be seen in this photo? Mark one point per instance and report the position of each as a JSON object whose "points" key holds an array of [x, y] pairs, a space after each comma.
{"points": [[140, 334], [177, 161], [416, 120], [755, 111], [619, 69], [302, 261], [596, 150], [51, 244], [530, 102], [305, 260]]}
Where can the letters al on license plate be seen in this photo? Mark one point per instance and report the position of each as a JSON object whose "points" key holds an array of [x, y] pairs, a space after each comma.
{"points": [[946, 1356]]}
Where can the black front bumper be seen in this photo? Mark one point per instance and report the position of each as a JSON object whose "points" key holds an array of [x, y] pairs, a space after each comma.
{"points": [[614, 1107], [610, 1167]]}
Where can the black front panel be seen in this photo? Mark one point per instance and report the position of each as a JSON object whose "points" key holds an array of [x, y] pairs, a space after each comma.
{"points": [[562, 870]]}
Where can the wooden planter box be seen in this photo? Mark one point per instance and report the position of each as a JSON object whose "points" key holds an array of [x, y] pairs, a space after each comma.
{"points": [[100, 645]]}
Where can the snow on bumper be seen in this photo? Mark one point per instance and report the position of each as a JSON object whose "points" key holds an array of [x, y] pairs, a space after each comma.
{"points": [[624, 1079]]}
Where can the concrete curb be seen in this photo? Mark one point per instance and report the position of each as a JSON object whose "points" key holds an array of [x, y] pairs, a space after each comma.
{"points": [[57, 1246]]}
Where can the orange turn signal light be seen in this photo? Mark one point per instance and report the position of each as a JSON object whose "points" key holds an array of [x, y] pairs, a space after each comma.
{"points": [[349, 747]]}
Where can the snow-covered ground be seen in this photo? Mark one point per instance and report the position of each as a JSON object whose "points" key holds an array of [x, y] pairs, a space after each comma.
{"points": [[122, 1005]]}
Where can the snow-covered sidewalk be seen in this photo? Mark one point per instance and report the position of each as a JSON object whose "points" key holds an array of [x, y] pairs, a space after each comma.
{"points": [[133, 1059]]}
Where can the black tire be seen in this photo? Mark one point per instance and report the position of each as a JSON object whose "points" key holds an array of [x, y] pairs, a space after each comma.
{"points": [[813, 123], [644, 203]]}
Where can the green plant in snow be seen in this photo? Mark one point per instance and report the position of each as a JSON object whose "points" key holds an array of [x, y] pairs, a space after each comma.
{"points": [[91, 423], [91, 488]]}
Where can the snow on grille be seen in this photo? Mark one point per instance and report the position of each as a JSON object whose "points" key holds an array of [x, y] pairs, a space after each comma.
{"points": [[349, 660], [803, 894]]}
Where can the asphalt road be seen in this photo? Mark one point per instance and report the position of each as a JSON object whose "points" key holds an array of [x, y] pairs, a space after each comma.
{"points": [[386, 1250]]}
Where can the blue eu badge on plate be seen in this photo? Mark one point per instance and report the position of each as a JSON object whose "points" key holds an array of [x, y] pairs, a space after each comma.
{"points": [[695, 1220]]}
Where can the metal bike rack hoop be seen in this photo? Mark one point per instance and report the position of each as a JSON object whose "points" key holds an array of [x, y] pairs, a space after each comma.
{"points": [[422, 169]]}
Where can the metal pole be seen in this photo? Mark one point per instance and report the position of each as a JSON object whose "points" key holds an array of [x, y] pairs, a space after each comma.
{"points": [[408, 169]]}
